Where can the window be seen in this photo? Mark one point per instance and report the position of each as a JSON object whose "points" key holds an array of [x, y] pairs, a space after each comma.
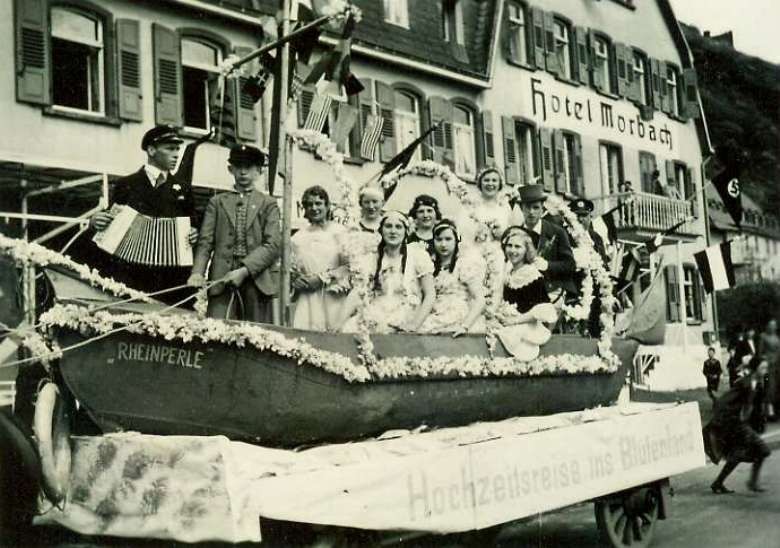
{"points": [[563, 48], [648, 173], [692, 293], [526, 153], [518, 32], [673, 91], [641, 79], [611, 160], [601, 62], [681, 181], [407, 121], [566, 162], [396, 12], [200, 61], [465, 139], [672, 293], [78, 67]]}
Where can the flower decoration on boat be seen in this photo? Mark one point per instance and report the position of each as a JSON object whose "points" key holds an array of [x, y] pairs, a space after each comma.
{"points": [[429, 168], [42, 348], [33, 254], [345, 206]]}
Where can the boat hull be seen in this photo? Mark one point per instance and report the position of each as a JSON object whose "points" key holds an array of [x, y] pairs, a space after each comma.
{"points": [[147, 384]]}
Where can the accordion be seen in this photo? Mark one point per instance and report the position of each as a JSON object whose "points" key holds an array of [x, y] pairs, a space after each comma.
{"points": [[153, 241]]}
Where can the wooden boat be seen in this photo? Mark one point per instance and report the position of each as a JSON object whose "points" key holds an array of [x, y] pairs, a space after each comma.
{"points": [[157, 386]]}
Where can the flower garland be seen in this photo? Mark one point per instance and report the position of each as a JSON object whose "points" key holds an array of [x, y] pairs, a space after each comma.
{"points": [[429, 168], [183, 327], [347, 210], [30, 253]]}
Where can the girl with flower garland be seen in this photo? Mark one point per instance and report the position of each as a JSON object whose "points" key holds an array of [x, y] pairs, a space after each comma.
{"points": [[459, 284], [317, 277], [425, 213], [393, 288], [525, 306]]}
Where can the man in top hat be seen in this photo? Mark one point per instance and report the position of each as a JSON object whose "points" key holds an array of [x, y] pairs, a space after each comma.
{"points": [[155, 192], [241, 236], [550, 239]]}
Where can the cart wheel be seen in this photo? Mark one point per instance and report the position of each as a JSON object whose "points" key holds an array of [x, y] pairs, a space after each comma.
{"points": [[628, 520]]}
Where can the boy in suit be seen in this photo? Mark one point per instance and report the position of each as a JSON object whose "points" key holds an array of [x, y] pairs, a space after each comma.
{"points": [[241, 236], [712, 372]]}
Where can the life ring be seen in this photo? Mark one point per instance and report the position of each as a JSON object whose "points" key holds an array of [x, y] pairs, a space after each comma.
{"points": [[52, 431]]}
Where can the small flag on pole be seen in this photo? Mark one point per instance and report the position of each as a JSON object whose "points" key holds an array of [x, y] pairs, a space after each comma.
{"points": [[648, 319], [604, 225], [318, 112], [371, 134], [345, 120], [657, 241], [732, 158], [715, 267], [630, 268]]}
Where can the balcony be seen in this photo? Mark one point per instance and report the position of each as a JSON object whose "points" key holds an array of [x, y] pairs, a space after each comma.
{"points": [[646, 214]]}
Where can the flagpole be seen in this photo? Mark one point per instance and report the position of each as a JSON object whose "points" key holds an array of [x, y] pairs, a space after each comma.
{"points": [[284, 290]]}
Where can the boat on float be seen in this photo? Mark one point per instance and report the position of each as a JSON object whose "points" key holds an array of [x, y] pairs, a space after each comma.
{"points": [[158, 385]]}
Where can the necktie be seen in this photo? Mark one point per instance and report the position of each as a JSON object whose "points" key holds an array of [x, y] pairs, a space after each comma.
{"points": [[160, 179]]}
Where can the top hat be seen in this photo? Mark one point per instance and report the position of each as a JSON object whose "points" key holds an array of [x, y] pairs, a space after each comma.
{"points": [[245, 154], [581, 206], [160, 134], [531, 193]]}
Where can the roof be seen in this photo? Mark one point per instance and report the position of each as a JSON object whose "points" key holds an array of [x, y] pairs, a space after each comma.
{"points": [[754, 219]]}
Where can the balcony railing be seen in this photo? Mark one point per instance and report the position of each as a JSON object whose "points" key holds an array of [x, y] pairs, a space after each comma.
{"points": [[643, 212]]}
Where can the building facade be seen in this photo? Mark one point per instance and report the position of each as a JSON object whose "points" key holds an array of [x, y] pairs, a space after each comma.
{"points": [[579, 95]]}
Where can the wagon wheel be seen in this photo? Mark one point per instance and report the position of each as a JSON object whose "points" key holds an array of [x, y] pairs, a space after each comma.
{"points": [[628, 520]]}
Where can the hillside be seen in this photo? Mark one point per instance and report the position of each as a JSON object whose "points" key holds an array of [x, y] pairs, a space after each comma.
{"points": [[741, 96]]}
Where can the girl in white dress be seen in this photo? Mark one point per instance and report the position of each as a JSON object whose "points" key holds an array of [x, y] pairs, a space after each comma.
{"points": [[395, 291], [459, 283], [319, 284]]}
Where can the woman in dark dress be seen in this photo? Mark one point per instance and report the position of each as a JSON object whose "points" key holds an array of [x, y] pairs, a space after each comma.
{"points": [[425, 213], [523, 281], [729, 434]]}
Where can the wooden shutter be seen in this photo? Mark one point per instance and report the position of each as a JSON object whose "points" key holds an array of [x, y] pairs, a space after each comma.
{"points": [[487, 144], [511, 167], [507, 39], [583, 55], [559, 148], [672, 294], [690, 96], [666, 103], [167, 76], [548, 168], [551, 59], [537, 15], [578, 181], [385, 96], [366, 100], [246, 115], [701, 296], [690, 192], [655, 84], [128, 48], [597, 75], [671, 180], [622, 55], [305, 99], [441, 110], [33, 52]]}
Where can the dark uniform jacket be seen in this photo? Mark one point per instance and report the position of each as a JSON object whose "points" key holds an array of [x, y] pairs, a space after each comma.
{"points": [[554, 246]]}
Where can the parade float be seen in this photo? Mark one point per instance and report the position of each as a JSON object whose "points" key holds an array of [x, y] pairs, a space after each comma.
{"points": [[209, 426]]}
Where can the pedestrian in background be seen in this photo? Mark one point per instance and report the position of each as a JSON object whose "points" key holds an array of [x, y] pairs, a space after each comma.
{"points": [[712, 372], [769, 347], [729, 434]]}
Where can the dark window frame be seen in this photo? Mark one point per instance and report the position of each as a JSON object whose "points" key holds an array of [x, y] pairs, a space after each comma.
{"points": [[469, 105], [571, 78], [612, 68]]}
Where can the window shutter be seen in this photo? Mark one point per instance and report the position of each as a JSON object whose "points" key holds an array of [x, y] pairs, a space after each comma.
{"points": [[487, 144], [386, 99], [548, 169], [366, 99], [559, 146], [537, 15], [666, 98], [632, 86], [551, 59], [440, 110], [167, 76], [672, 294], [305, 99], [32, 52], [583, 55], [655, 82], [128, 47], [690, 97], [246, 116], [690, 192], [598, 77], [356, 131], [702, 296], [671, 180], [511, 168], [578, 173], [622, 59]]}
